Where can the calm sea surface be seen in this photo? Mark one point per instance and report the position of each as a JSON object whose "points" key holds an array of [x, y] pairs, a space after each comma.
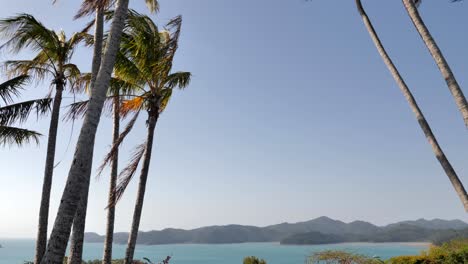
{"points": [[17, 251]]}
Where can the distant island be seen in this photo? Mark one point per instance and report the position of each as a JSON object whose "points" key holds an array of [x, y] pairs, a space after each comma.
{"points": [[322, 230]]}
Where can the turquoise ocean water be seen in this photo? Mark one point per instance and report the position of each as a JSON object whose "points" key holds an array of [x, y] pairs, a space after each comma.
{"points": [[16, 251]]}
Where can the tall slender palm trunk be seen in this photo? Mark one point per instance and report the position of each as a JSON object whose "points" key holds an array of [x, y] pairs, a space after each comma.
{"points": [[439, 58], [141, 191], [79, 223], [80, 170], [107, 258], [41, 242], [452, 175]]}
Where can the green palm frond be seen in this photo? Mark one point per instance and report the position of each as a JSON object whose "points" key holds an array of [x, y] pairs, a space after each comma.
{"points": [[19, 112], [12, 88], [17, 136], [70, 45], [165, 98], [126, 175], [117, 86], [123, 88], [24, 31], [178, 79], [37, 71], [126, 70], [72, 74], [82, 83]]}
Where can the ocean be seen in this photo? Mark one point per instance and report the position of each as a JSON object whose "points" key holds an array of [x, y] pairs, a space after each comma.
{"points": [[16, 251]]}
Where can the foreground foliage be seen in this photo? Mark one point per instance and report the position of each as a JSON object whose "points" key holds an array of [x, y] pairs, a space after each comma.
{"points": [[455, 251], [342, 257], [254, 260]]}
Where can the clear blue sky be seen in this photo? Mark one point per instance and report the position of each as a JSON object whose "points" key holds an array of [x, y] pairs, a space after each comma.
{"points": [[291, 115]]}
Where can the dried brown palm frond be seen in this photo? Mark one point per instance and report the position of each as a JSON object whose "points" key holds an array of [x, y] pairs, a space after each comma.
{"points": [[126, 175], [88, 7], [112, 152], [78, 110]]}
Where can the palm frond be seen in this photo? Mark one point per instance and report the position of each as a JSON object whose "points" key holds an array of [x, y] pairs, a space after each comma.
{"points": [[122, 87], [19, 112], [109, 156], [24, 31], [178, 79], [12, 88], [127, 70], [78, 110], [82, 83], [89, 6], [37, 71], [153, 5], [165, 98], [17, 136], [72, 74], [174, 26], [126, 175], [131, 105]]}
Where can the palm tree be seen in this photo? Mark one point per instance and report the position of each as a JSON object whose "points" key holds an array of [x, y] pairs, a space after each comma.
{"points": [[80, 170], [117, 90], [457, 93], [148, 56], [54, 53], [18, 112], [76, 247], [439, 153]]}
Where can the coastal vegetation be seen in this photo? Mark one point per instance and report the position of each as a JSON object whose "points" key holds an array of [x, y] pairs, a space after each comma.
{"points": [[253, 260], [452, 252]]}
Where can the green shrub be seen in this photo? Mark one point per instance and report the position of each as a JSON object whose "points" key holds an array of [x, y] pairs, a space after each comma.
{"points": [[254, 260], [340, 257], [453, 252]]}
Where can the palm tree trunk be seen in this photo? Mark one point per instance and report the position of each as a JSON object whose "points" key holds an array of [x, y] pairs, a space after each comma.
{"points": [[452, 175], [439, 58], [107, 258], [141, 191], [41, 242], [79, 223], [98, 41], [80, 170]]}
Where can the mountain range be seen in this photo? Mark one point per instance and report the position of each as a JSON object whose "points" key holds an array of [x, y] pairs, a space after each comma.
{"points": [[321, 230]]}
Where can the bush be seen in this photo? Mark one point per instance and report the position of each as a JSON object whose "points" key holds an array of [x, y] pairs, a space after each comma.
{"points": [[254, 260], [340, 257], [452, 252]]}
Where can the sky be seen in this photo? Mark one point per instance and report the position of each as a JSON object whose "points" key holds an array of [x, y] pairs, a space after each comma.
{"points": [[290, 115]]}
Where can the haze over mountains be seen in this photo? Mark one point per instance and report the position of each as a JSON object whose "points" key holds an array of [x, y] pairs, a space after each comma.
{"points": [[321, 230]]}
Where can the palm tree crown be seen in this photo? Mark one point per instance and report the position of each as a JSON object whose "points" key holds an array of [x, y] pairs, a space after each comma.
{"points": [[54, 50], [145, 61]]}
